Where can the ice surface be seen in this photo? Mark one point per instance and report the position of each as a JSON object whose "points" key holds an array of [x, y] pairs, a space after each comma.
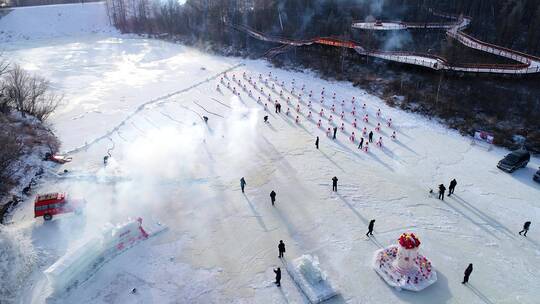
{"points": [[222, 243], [17, 261]]}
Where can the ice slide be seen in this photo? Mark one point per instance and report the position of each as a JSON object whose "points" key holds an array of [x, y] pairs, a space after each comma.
{"points": [[81, 262], [311, 279]]}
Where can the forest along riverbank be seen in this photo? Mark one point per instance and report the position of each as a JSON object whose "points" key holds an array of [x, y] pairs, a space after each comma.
{"points": [[26, 140], [25, 143]]}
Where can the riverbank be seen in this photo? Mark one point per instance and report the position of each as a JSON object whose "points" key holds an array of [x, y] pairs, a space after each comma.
{"points": [[25, 142]]}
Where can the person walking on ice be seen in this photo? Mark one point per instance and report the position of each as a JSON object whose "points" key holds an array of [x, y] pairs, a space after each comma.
{"points": [[453, 184], [278, 276], [370, 136], [281, 248], [468, 272], [317, 143], [370, 228], [335, 131], [442, 189], [334, 183], [525, 228], [361, 144], [273, 197], [242, 184]]}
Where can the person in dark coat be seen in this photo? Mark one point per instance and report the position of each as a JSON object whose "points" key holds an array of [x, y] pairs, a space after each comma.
{"points": [[335, 132], [276, 107], [442, 189], [265, 118], [334, 184], [370, 136], [317, 142], [273, 197], [525, 228], [242, 184], [281, 248], [278, 276], [468, 272], [279, 107], [361, 144], [370, 228], [452, 186]]}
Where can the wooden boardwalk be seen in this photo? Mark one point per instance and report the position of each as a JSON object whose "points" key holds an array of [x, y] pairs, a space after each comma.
{"points": [[526, 64]]}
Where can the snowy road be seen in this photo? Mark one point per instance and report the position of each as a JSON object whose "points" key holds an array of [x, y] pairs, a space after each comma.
{"points": [[167, 165]]}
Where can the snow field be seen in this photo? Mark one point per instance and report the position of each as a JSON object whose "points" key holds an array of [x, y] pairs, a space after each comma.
{"points": [[388, 184], [54, 21]]}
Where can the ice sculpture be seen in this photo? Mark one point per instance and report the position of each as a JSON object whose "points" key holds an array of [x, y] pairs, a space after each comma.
{"points": [[309, 277], [82, 261], [401, 265]]}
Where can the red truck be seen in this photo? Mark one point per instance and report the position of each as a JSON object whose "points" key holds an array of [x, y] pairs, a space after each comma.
{"points": [[50, 204]]}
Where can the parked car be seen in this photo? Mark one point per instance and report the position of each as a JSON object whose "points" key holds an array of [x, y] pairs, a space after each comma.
{"points": [[515, 160], [536, 176], [57, 158]]}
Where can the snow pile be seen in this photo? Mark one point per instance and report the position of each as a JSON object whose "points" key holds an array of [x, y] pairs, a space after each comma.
{"points": [[81, 262], [48, 21], [17, 260], [308, 275]]}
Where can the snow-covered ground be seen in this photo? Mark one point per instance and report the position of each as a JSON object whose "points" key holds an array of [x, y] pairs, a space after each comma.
{"points": [[144, 99]]}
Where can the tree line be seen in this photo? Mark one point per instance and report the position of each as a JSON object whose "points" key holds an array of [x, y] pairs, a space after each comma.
{"points": [[511, 23]]}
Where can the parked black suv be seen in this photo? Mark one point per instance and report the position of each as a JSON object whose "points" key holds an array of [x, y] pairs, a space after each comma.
{"points": [[515, 160], [536, 176]]}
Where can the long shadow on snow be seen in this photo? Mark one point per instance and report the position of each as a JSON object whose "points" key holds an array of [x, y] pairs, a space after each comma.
{"points": [[361, 217], [397, 141], [374, 240], [356, 154], [491, 221], [525, 176], [255, 213], [270, 126], [470, 219], [331, 160], [479, 294], [340, 144]]}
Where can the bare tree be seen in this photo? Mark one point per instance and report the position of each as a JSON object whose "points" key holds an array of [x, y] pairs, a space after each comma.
{"points": [[12, 149], [30, 94], [16, 87], [4, 101], [4, 65]]}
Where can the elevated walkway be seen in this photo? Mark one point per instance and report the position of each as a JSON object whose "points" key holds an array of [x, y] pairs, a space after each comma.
{"points": [[527, 64]]}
